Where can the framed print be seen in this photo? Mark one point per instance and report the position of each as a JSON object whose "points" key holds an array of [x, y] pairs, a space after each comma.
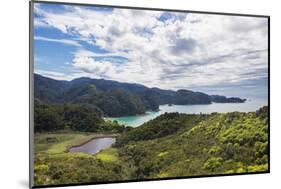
{"points": [[122, 94]]}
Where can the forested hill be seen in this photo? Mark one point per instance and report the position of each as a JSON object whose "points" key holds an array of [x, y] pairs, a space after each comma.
{"points": [[117, 99], [177, 145]]}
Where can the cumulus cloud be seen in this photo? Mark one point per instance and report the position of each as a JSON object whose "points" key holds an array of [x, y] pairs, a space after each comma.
{"points": [[162, 49]]}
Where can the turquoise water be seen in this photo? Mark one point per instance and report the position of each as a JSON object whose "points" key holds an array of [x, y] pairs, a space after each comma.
{"points": [[248, 106]]}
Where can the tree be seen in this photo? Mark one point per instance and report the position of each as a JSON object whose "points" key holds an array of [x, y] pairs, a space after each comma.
{"points": [[47, 120]]}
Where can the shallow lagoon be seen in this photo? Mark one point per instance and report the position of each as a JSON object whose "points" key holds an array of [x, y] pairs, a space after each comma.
{"points": [[94, 145]]}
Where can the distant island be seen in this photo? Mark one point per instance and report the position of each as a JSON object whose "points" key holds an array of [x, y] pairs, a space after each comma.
{"points": [[116, 99]]}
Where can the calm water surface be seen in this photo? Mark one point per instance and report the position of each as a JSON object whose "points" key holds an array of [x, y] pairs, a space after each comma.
{"points": [[94, 146], [248, 106]]}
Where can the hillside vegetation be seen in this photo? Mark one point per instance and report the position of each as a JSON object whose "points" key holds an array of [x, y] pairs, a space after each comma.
{"points": [[117, 99], [53, 164], [172, 145], [214, 144], [72, 117]]}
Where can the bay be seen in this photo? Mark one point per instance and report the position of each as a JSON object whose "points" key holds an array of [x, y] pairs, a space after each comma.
{"points": [[249, 106]]}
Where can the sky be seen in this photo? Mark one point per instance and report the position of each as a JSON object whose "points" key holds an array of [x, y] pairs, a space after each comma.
{"points": [[216, 54]]}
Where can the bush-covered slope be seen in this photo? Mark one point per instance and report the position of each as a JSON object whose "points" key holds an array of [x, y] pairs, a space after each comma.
{"points": [[220, 144], [172, 145], [164, 125]]}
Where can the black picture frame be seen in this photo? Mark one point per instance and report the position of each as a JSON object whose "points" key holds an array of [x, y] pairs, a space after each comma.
{"points": [[31, 91]]}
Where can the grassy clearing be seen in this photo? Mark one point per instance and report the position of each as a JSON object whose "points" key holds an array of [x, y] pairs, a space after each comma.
{"points": [[57, 143], [109, 154]]}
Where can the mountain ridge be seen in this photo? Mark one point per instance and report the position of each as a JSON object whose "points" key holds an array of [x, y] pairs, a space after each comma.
{"points": [[116, 98]]}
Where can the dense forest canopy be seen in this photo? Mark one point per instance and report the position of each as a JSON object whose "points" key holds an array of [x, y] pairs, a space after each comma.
{"points": [[117, 99], [72, 117]]}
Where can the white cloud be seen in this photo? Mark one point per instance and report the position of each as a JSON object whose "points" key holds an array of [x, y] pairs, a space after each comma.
{"points": [[61, 76], [51, 74], [63, 41], [185, 50]]}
